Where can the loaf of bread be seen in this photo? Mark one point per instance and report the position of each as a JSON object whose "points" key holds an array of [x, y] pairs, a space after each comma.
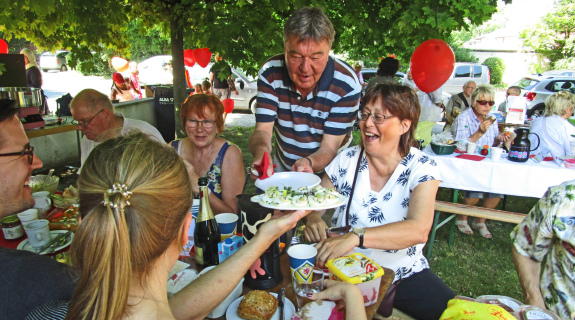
{"points": [[257, 305]]}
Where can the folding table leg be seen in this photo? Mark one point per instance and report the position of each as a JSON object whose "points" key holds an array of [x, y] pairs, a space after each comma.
{"points": [[432, 236]]}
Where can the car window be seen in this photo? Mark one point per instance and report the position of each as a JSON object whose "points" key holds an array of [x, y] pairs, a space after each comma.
{"points": [[368, 75], [556, 86], [463, 72], [526, 83], [477, 71]]}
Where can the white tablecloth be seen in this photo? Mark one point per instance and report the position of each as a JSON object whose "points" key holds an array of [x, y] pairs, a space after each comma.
{"points": [[527, 179]]}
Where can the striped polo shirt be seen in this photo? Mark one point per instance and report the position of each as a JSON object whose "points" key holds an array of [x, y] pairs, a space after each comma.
{"points": [[300, 122]]}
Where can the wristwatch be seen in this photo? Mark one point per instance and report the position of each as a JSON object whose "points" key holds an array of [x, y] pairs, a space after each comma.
{"points": [[360, 232]]}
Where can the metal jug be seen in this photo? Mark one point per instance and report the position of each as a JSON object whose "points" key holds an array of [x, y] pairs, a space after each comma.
{"points": [[521, 147], [266, 271]]}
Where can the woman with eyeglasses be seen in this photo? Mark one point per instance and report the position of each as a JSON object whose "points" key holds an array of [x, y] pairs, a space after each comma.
{"points": [[390, 189], [474, 125], [207, 155]]}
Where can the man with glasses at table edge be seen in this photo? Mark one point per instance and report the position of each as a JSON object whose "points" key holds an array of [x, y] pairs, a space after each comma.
{"points": [[307, 99], [95, 117], [461, 101]]}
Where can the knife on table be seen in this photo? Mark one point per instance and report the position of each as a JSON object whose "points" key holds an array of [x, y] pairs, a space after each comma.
{"points": [[54, 241], [281, 300]]}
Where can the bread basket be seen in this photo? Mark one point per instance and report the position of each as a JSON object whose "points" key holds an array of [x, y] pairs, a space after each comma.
{"points": [[443, 149]]}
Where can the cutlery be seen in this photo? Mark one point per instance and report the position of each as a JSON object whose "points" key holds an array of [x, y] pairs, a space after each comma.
{"points": [[281, 300], [48, 177], [54, 241], [59, 243]]}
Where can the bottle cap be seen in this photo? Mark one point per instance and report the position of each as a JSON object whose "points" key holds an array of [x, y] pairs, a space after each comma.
{"points": [[485, 146]]}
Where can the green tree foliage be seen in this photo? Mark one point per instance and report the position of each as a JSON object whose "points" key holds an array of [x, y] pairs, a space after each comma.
{"points": [[464, 55], [496, 69], [246, 32], [554, 36], [146, 42]]}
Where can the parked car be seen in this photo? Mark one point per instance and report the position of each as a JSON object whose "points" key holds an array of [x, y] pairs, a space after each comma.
{"points": [[157, 70], [536, 89], [556, 73], [54, 61], [463, 72]]}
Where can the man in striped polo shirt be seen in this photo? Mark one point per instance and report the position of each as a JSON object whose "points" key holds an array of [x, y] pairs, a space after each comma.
{"points": [[306, 97]]}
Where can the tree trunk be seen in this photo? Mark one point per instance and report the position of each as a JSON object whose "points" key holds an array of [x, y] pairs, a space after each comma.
{"points": [[178, 69]]}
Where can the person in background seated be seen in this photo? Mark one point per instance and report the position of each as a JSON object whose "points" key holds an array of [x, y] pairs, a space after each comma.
{"points": [[207, 155], [28, 279], [388, 67], [458, 103], [474, 125], [121, 88], [206, 87], [135, 80], [135, 206], [390, 189], [546, 235], [513, 91], [95, 117], [553, 129]]}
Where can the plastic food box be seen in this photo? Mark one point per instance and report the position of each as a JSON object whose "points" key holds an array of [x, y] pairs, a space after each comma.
{"points": [[509, 304], [535, 313], [358, 269]]}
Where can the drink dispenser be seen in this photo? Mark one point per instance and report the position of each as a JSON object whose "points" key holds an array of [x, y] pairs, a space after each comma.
{"points": [[266, 271]]}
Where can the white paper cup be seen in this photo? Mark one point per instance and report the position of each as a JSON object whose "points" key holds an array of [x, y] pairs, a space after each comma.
{"points": [[496, 153], [42, 202], [38, 233], [28, 216], [471, 147]]}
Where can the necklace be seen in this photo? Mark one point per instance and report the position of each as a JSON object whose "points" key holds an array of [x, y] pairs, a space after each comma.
{"points": [[201, 160]]}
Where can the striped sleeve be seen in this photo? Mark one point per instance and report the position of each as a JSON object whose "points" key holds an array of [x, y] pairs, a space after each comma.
{"points": [[52, 310]]}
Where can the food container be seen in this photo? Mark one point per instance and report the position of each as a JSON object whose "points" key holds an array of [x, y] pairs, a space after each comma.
{"points": [[509, 304], [236, 293], [37, 181], [534, 313], [442, 149], [12, 227], [358, 269]]}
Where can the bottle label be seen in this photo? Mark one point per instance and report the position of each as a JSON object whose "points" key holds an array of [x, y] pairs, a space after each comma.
{"points": [[200, 256]]}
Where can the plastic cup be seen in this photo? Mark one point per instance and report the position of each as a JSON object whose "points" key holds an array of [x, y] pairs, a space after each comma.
{"points": [[227, 222], [28, 216], [303, 288], [471, 147], [300, 256]]}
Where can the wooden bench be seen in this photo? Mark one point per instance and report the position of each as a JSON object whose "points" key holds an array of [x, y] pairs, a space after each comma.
{"points": [[471, 211]]}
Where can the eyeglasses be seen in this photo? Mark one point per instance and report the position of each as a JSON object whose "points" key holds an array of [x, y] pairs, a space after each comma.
{"points": [[28, 150], [484, 102], [85, 123], [470, 87], [207, 124], [375, 117]]}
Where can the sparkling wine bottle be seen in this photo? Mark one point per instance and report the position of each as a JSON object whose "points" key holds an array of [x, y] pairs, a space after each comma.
{"points": [[207, 233]]}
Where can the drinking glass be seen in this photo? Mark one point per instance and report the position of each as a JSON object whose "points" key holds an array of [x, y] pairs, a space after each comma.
{"points": [[303, 288]]}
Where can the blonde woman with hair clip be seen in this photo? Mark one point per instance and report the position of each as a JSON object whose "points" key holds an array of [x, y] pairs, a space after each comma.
{"points": [[135, 204]]}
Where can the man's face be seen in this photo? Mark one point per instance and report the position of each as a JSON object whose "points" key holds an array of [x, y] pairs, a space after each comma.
{"points": [[92, 124], [15, 171], [306, 62], [512, 93], [468, 89]]}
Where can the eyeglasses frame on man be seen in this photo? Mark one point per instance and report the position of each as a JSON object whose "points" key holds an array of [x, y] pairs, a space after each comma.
{"points": [[28, 150], [85, 123]]}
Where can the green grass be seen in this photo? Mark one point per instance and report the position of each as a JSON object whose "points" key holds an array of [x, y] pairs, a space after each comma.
{"points": [[473, 266]]}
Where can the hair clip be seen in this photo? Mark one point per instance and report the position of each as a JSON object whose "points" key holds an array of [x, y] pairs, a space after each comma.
{"points": [[117, 188]]}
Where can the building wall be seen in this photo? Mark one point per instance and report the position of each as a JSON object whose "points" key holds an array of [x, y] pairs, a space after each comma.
{"points": [[516, 63]]}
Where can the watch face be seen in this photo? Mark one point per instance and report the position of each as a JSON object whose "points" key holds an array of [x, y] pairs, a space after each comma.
{"points": [[358, 230]]}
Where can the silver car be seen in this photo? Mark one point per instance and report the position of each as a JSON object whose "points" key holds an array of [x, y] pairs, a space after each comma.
{"points": [[536, 89], [157, 70], [54, 61]]}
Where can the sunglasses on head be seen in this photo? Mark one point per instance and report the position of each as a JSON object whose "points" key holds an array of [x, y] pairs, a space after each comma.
{"points": [[484, 102]]}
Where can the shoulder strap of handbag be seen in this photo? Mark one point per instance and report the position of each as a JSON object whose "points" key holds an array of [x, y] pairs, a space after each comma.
{"points": [[353, 186], [464, 100]]}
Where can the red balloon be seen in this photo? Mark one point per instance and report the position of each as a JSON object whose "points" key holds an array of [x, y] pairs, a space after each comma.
{"points": [[432, 64], [189, 58], [202, 56], [3, 46], [228, 105]]}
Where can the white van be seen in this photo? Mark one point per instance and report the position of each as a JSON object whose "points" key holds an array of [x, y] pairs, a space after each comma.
{"points": [[463, 72]]}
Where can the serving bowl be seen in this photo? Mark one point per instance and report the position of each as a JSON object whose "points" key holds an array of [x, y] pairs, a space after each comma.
{"points": [[37, 181], [443, 149]]}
